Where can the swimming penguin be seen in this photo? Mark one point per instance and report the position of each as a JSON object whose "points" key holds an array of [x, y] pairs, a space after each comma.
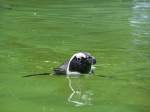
{"points": [[79, 63]]}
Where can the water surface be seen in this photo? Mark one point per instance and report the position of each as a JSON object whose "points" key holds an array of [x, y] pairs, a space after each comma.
{"points": [[36, 36]]}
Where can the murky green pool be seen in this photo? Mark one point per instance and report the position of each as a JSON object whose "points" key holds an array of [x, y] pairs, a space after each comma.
{"points": [[38, 35]]}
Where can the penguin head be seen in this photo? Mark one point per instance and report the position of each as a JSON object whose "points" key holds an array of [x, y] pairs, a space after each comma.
{"points": [[82, 62], [85, 57]]}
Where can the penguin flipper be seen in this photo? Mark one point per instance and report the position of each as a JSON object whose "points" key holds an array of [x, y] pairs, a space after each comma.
{"points": [[59, 71]]}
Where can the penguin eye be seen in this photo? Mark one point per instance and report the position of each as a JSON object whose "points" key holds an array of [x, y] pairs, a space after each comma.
{"points": [[90, 57], [78, 59]]}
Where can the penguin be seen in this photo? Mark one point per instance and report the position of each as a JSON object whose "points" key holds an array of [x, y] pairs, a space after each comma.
{"points": [[79, 63]]}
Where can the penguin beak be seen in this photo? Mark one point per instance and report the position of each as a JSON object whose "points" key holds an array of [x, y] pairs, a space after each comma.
{"points": [[93, 60], [90, 60]]}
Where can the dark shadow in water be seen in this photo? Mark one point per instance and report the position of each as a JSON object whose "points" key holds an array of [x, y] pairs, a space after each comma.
{"points": [[40, 74], [105, 76], [43, 74]]}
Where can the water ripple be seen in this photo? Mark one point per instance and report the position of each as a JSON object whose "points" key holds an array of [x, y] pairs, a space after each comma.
{"points": [[140, 21]]}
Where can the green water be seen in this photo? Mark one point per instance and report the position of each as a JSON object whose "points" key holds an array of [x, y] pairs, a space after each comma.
{"points": [[38, 35]]}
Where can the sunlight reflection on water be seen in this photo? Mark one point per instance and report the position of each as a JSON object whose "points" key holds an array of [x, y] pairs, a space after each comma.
{"points": [[141, 18], [78, 96]]}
